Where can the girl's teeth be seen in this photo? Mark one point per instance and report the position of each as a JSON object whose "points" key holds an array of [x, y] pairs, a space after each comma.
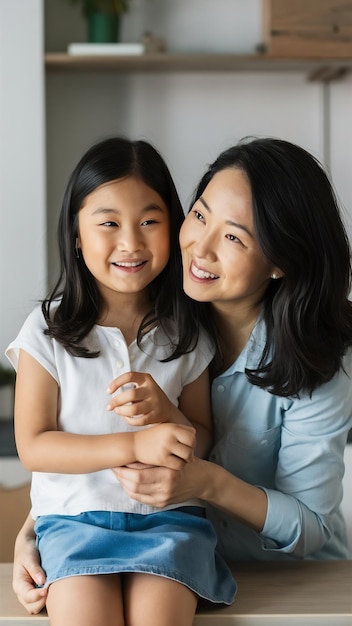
{"points": [[201, 274], [129, 264]]}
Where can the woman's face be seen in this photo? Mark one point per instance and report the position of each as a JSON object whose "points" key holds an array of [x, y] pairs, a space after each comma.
{"points": [[222, 261]]}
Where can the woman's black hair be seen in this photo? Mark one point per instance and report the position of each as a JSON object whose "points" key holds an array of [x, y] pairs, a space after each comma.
{"points": [[299, 228], [79, 301]]}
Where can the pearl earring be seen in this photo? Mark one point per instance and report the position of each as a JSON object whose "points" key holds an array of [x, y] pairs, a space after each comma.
{"points": [[274, 276]]}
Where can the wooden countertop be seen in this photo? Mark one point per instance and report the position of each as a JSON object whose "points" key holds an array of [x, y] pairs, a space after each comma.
{"points": [[301, 593]]}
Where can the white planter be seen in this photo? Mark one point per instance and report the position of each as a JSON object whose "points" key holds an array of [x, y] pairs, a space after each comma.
{"points": [[6, 402]]}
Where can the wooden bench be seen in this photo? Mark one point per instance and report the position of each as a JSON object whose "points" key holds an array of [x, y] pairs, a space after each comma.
{"points": [[298, 593]]}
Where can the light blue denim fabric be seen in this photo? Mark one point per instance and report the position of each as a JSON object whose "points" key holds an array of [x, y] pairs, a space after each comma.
{"points": [[174, 544]]}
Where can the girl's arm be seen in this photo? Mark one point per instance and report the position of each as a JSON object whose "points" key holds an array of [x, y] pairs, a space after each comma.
{"points": [[44, 448], [142, 402]]}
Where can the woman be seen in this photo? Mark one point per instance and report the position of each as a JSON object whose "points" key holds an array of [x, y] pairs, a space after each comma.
{"points": [[265, 250]]}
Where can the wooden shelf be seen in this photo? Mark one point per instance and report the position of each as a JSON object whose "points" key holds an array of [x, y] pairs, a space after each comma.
{"points": [[318, 69]]}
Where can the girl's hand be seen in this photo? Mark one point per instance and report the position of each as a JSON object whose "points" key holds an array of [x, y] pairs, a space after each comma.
{"points": [[140, 400], [168, 445], [27, 574]]}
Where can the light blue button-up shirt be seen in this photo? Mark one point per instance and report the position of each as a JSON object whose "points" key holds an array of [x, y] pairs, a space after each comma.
{"points": [[293, 449]]}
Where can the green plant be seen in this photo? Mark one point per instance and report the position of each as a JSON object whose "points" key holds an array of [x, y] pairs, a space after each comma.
{"points": [[109, 6], [7, 375]]}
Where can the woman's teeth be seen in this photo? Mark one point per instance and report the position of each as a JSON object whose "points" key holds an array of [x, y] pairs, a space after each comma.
{"points": [[201, 273]]}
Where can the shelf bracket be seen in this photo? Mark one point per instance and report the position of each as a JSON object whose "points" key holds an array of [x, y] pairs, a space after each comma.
{"points": [[327, 73]]}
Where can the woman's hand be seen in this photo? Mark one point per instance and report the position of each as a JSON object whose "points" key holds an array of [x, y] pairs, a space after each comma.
{"points": [[161, 486], [27, 574], [140, 401]]}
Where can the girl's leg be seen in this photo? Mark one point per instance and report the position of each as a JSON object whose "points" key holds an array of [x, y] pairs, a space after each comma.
{"points": [[155, 601], [86, 601]]}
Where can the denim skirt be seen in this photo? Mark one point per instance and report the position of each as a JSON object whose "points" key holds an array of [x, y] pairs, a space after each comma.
{"points": [[179, 544]]}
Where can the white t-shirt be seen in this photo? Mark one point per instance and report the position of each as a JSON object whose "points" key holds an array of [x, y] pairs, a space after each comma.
{"points": [[82, 405]]}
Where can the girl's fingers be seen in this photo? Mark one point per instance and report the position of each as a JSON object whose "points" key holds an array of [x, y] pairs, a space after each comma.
{"points": [[128, 378]]}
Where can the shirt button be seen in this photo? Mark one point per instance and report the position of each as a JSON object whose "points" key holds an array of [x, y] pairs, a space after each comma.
{"points": [[119, 364], [220, 388], [132, 357]]}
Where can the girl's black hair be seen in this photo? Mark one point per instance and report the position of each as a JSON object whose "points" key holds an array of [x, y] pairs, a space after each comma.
{"points": [[79, 301], [298, 225]]}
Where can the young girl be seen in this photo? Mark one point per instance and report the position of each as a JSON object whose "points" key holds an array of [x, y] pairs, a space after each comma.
{"points": [[117, 321]]}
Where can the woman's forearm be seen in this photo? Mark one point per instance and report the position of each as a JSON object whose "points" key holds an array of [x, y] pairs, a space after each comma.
{"points": [[201, 479], [245, 502]]}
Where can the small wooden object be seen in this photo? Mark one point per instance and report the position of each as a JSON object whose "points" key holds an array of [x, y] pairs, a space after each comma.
{"points": [[308, 28]]}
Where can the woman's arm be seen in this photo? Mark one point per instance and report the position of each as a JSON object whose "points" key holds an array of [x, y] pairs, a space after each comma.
{"points": [[303, 505], [297, 512], [202, 479], [27, 573]]}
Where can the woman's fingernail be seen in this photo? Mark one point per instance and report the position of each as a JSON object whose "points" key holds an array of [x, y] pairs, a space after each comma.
{"points": [[108, 407]]}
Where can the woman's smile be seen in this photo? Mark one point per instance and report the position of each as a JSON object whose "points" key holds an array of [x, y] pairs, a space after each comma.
{"points": [[201, 274]]}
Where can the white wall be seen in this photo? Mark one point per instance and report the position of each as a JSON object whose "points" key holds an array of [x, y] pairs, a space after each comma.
{"points": [[347, 492], [192, 117], [341, 143], [22, 190]]}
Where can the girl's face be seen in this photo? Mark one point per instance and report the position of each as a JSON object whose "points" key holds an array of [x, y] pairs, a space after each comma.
{"points": [[222, 261], [123, 233]]}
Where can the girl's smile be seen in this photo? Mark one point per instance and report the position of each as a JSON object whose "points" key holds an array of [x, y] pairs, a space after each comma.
{"points": [[130, 265], [123, 234]]}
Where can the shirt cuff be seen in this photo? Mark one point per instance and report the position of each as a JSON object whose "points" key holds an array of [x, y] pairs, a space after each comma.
{"points": [[283, 524]]}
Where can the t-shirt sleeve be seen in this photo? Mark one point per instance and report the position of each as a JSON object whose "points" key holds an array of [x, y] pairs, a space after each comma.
{"points": [[33, 340]]}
